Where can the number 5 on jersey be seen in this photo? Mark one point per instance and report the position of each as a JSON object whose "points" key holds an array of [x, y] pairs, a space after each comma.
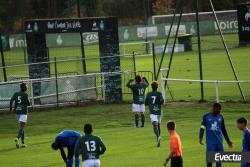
{"points": [[19, 98]]}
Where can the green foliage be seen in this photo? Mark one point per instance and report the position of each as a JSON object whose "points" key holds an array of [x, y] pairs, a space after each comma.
{"points": [[128, 11]]}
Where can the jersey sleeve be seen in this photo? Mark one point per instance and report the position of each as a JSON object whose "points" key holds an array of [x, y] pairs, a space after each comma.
{"points": [[102, 146], [146, 83], [161, 99], [247, 139], [12, 100], [129, 84]]}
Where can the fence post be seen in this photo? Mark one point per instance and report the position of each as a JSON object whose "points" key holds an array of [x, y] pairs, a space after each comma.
{"points": [[3, 60], [154, 66], [217, 91], [133, 54], [32, 94], [103, 87], [57, 95], [163, 90]]}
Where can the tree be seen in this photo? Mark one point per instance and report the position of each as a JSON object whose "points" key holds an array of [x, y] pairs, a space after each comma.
{"points": [[163, 7]]}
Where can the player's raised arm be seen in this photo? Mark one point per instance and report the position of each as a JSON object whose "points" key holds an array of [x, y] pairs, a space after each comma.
{"points": [[225, 134], [202, 129], [129, 83], [145, 81]]}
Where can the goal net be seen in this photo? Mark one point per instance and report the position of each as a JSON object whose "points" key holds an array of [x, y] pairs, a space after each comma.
{"points": [[222, 15], [227, 20], [143, 48]]}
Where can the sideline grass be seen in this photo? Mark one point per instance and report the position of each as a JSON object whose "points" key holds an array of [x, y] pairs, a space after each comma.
{"points": [[126, 146]]}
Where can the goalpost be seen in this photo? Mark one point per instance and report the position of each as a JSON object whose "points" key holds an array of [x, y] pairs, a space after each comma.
{"points": [[138, 48]]}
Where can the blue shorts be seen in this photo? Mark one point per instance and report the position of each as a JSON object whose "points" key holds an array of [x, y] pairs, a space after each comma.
{"points": [[215, 147], [244, 165]]}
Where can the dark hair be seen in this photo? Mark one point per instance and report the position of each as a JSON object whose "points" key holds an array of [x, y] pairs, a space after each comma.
{"points": [[22, 85], [217, 105], [138, 78], [88, 128], [242, 120], [171, 125], [54, 146], [154, 85]]}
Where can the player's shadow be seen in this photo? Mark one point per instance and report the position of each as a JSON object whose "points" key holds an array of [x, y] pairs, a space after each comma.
{"points": [[7, 149], [14, 148]]}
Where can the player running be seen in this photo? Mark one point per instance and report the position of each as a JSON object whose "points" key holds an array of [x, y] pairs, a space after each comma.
{"points": [[21, 101], [66, 138], [90, 147], [154, 100], [214, 124], [242, 125], [175, 154], [138, 88]]}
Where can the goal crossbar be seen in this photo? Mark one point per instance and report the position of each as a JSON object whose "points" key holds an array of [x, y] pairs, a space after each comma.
{"points": [[192, 14]]}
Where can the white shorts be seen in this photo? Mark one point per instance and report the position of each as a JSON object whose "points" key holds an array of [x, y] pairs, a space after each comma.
{"points": [[138, 107], [21, 117], [155, 118], [91, 163]]}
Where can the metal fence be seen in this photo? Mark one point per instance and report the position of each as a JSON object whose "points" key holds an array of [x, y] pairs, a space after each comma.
{"points": [[67, 90], [63, 67], [214, 90]]}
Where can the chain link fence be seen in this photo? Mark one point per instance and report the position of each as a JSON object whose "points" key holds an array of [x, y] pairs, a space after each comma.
{"points": [[68, 90], [65, 67], [185, 89]]}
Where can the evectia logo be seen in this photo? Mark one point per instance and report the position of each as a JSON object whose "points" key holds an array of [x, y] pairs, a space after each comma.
{"points": [[227, 158]]}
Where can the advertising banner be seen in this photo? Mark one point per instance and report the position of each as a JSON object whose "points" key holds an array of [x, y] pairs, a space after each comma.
{"points": [[138, 33], [243, 11]]}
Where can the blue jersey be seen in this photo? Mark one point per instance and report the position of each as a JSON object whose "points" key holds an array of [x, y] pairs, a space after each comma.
{"points": [[215, 127], [68, 138], [246, 141]]}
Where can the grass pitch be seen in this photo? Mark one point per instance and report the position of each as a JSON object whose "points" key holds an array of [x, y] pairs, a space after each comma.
{"points": [[126, 146]]}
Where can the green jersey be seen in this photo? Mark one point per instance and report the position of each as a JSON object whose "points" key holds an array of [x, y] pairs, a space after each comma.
{"points": [[90, 147], [154, 100], [21, 102], [138, 90]]}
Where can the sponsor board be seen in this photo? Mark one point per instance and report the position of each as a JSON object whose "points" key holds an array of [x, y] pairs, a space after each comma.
{"points": [[182, 29], [160, 48], [228, 157], [90, 38], [127, 33], [243, 11], [227, 26], [142, 32]]}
